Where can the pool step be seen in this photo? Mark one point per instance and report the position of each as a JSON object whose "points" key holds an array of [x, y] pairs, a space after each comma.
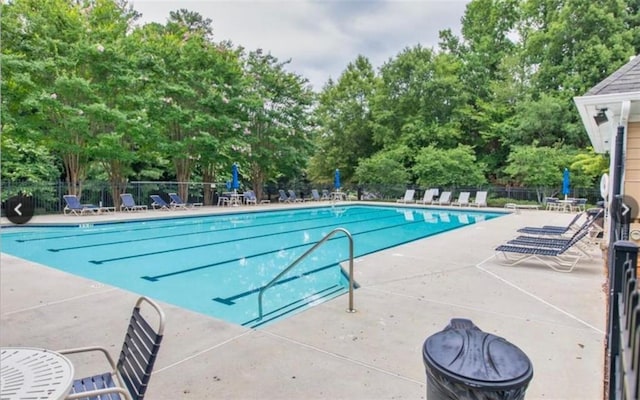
{"points": [[299, 305]]}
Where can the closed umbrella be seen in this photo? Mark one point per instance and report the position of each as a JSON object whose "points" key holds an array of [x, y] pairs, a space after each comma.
{"points": [[234, 177], [336, 179], [565, 183]]}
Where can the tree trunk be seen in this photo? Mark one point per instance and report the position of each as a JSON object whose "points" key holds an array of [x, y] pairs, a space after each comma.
{"points": [[208, 177], [183, 173]]}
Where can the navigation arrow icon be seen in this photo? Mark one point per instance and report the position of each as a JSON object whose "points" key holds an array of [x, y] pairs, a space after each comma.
{"points": [[17, 209]]}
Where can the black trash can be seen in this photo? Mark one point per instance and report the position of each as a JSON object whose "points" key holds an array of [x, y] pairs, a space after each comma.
{"points": [[464, 363]]}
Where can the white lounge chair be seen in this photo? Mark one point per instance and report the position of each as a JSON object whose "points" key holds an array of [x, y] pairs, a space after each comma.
{"points": [[429, 194], [480, 200], [463, 199], [408, 196], [445, 198]]}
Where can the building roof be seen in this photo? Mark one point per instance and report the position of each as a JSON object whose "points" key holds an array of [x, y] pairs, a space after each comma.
{"points": [[616, 102], [626, 79]]}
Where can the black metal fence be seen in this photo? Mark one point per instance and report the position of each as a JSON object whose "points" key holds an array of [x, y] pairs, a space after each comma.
{"points": [[623, 344], [47, 197]]}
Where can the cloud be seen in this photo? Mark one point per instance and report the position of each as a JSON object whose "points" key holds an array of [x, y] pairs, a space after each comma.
{"points": [[320, 37]]}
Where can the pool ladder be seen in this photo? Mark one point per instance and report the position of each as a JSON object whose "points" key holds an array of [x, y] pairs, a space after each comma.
{"points": [[302, 257]]}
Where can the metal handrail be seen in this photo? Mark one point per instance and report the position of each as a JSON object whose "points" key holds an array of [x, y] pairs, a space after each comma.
{"points": [[293, 264]]}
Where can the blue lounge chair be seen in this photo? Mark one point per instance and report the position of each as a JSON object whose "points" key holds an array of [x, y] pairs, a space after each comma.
{"points": [[315, 196], [556, 230], [74, 207], [250, 197], [293, 198], [177, 202], [561, 259], [129, 204], [158, 203], [129, 377], [283, 197]]}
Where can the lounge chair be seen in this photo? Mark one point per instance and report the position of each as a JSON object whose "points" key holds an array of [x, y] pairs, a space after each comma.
{"points": [[554, 229], [429, 194], [129, 204], [561, 259], [445, 198], [315, 196], [293, 198], [480, 200], [177, 202], [250, 197], [408, 196], [558, 242], [74, 207], [283, 197], [463, 199], [129, 377], [158, 203]]}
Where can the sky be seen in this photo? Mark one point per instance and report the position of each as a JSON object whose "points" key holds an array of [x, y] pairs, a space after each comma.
{"points": [[320, 37]]}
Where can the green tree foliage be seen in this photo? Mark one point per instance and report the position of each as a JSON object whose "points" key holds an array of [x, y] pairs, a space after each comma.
{"points": [[277, 139], [344, 133], [385, 168], [448, 167]]}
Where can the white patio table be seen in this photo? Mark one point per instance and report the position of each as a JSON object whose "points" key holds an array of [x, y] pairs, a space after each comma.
{"points": [[34, 373]]}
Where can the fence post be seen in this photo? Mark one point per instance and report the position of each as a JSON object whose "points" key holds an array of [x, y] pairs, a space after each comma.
{"points": [[625, 254]]}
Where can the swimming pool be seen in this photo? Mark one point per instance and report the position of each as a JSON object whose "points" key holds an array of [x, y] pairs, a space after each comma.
{"points": [[217, 264]]}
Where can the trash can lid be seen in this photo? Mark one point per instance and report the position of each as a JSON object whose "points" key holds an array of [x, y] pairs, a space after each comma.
{"points": [[465, 354]]}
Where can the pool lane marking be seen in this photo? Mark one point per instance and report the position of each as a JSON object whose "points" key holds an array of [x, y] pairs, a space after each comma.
{"points": [[174, 234], [211, 220], [229, 301], [344, 358], [543, 301], [157, 277], [98, 262]]}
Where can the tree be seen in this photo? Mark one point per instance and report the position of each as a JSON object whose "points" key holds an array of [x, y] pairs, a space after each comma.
{"points": [[277, 140], [448, 167], [541, 167], [344, 117]]}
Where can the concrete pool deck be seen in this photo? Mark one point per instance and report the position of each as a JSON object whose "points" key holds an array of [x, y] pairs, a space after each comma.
{"points": [[406, 294]]}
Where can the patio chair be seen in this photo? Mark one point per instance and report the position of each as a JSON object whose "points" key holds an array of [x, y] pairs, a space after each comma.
{"points": [[552, 204], [293, 198], [158, 203], [177, 202], [325, 195], [590, 238], [561, 259], [74, 207], [429, 194], [445, 198], [283, 197], [555, 230], [129, 377], [250, 197], [315, 196], [480, 200], [463, 199], [129, 204], [408, 196]]}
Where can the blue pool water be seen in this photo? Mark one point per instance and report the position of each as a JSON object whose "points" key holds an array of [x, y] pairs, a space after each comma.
{"points": [[216, 265]]}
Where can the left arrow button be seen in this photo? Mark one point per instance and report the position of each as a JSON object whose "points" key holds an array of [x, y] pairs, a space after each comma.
{"points": [[19, 209]]}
